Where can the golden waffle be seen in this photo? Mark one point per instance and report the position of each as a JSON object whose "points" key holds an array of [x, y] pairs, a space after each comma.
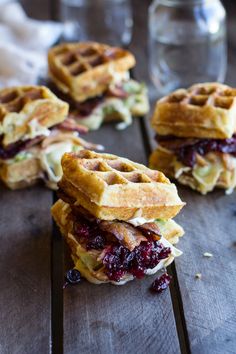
{"points": [[27, 111], [42, 161], [85, 70], [21, 174], [111, 187], [203, 111]]}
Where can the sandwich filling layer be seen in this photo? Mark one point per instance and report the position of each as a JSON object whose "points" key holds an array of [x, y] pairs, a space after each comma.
{"points": [[43, 154], [120, 102], [112, 251], [200, 163], [187, 150]]}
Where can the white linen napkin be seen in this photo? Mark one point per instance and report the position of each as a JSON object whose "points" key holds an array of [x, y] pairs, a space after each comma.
{"points": [[23, 45]]}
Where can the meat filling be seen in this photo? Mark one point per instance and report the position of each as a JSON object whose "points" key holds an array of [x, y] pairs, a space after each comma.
{"points": [[128, 235]]}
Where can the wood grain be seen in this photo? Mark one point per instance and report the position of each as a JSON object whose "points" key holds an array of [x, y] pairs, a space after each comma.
{"points": [[108, 319], [25, 271], [209, 304], [210, 223]]}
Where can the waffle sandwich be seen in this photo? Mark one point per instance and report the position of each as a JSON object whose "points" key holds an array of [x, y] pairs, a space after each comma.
{"points": [[116, 216], [34, 134], [94, 79], [196, 136]]}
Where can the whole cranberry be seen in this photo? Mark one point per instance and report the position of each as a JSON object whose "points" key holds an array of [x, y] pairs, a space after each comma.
{"points": [[73, 276], [161, 283]]}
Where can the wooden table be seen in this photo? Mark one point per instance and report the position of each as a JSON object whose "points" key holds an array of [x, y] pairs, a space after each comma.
{"points": [[196, 316]]}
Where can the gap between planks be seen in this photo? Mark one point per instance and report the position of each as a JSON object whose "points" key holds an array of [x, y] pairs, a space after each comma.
{"points": [[57, 288], [175, 292]]}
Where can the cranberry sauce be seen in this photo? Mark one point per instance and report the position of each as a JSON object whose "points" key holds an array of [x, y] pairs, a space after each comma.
{"points": [[161, 283], [186, 152], [118, 259], [88, 234], [11, 150]]}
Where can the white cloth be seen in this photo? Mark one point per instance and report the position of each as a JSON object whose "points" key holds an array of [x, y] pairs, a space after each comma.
{"points": [[23, 45]]}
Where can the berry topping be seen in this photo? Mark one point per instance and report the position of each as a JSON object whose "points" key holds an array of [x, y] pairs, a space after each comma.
{"points": [[186, 149], [89, 234], [161, 283], [118, 260], [73, 276], [97, 243], [13, 149]]}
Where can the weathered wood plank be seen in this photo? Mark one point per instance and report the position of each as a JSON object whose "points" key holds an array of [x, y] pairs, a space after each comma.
{"points": [[210, 303], [209, 222], [25, 226]]}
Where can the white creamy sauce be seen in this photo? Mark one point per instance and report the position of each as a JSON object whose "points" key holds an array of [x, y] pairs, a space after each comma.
{"points": [[139, 221], [36, 129], [51, 159]]}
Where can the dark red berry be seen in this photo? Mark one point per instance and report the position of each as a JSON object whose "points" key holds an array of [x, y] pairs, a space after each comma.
{"points": [[186, 150], [13, 149], [97, 243], [160, 284], [118, 260], [88, 233], [73, 276], [81, 229], [187, 154]]}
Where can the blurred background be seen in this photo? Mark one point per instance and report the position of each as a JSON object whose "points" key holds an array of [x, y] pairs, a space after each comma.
{"points": [[183, 42]]}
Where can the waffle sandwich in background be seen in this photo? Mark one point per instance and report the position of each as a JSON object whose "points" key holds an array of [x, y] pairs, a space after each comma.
{"points": [[34, 133], [196, 136], [94, 79], [116, 216]]}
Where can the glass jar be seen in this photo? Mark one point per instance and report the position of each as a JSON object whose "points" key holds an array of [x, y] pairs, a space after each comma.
{"points": [[107, 21], [187, 43]]}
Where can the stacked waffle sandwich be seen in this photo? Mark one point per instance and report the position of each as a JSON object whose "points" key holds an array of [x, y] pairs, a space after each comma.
{"points": [[94, 79], [196, 136], [34, 134], [116, 217]]}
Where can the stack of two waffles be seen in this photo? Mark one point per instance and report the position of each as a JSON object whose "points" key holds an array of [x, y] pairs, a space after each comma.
{"points": [[94, 79], [116, 216], [34, 134], [196, 137]]}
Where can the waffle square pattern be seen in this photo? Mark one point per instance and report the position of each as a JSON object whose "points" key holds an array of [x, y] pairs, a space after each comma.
{"points": [[28, 111], [203, 111], [96, 181], [84, 70]]}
